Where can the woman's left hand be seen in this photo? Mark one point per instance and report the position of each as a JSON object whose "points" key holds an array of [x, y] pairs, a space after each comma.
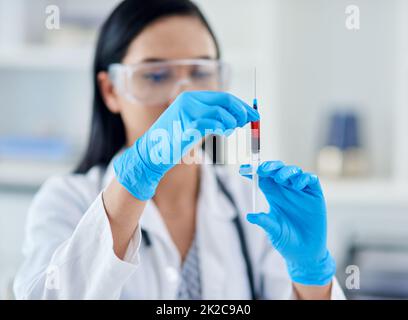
{"points": [[296, 223]]}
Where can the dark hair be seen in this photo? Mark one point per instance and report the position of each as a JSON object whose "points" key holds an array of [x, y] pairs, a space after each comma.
{"points": [[125, 23]]}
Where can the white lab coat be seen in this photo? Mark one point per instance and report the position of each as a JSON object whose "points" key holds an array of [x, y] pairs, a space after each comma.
{"points": [[68, 246]]}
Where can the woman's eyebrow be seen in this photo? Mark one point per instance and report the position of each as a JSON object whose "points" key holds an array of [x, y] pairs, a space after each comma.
{"points": [[165, 59]]}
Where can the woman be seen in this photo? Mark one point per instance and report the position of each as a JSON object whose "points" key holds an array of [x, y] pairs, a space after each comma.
{"points": [[137, 221]]}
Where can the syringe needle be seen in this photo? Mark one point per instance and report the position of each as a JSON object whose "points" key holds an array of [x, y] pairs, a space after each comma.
{"points": [[255, 182], [255, 83]]}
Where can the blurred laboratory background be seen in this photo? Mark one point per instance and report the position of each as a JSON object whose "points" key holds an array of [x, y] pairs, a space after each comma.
{"points": [[333, 100]]}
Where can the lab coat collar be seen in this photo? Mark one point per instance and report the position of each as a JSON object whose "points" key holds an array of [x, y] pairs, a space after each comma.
{"points": [[211, 201]]}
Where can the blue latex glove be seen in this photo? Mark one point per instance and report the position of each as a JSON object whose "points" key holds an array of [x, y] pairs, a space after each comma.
{"points": [[140, 168], [296, 223]]}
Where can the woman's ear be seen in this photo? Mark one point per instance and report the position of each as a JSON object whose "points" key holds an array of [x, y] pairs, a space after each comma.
{"points": [[108, 92]]}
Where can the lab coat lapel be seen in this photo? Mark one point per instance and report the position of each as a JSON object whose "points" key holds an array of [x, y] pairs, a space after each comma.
{"points": [[214, 217]]}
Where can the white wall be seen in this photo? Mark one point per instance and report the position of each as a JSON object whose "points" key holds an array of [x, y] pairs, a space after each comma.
{"points": [[308, 63], [400, 116]]}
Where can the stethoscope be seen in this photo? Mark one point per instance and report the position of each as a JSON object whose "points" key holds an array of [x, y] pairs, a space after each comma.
{"points": [[241, 235]]}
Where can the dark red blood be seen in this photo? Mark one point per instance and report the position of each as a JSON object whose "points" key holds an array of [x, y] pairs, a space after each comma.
{"points": [[255, 129]]}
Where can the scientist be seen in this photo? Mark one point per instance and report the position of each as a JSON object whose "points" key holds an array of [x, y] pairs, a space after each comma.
{"points": [[126, 226]]}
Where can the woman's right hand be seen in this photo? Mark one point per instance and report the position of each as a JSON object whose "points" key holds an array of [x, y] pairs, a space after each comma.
{"points": [[191, 117]]}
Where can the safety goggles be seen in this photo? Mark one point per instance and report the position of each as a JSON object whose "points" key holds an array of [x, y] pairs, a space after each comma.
{"points": [[153, 83]]}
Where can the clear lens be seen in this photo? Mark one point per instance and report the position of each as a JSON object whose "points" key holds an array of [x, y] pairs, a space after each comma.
{"points": [[155, 82]]}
